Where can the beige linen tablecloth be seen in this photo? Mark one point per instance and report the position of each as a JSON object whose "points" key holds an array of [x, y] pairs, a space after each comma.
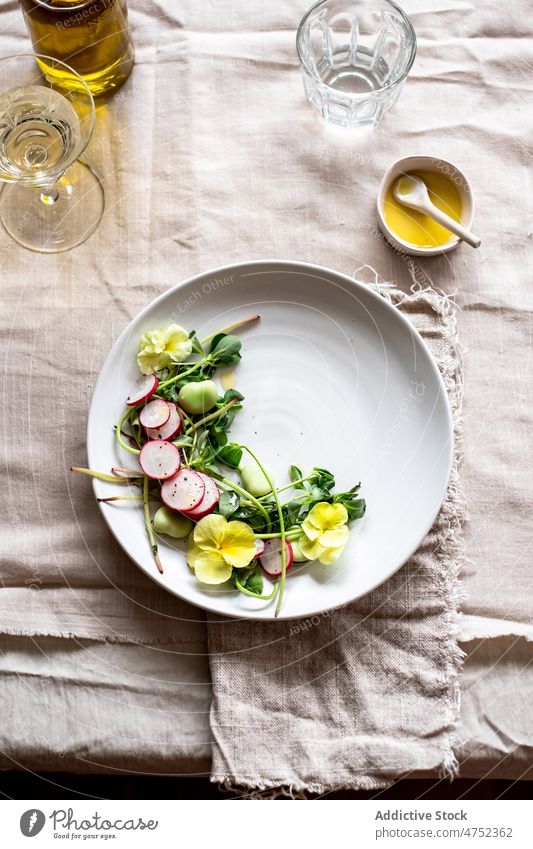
{"points": [[210, 154]]}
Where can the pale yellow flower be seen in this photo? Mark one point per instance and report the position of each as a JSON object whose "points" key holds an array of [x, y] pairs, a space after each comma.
{"points": [[216, 546], [325, 532], [160, 348]]}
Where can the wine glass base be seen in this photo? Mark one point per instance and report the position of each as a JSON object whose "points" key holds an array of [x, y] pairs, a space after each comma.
{"points": [[58, 221]]}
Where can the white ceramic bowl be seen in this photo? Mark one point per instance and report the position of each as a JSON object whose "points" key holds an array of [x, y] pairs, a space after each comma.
{"points": [[427, 163]]}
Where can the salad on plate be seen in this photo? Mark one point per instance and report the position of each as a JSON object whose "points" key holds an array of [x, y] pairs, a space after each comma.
{"points": [[216, 495]]}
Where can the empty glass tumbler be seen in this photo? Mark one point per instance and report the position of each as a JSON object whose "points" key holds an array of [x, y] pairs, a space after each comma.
{"points": [[355, 56]]}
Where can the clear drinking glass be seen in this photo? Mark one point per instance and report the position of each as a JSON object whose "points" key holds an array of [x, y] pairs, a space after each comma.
{"points": [[354, 57], [50, 201]]}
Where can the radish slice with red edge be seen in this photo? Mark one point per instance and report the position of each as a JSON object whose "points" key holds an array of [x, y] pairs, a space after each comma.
{"points": [[271, 557], [155, 414], [259, 547], [169, 430], [184, 491], [160, 460], [208, 502], [143, 389]]}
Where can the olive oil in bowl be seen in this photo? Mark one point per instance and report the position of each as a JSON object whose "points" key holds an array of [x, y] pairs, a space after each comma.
{"points": [[415, 227]]}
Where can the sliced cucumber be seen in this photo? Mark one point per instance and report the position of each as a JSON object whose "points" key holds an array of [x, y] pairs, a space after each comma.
{"points": [[297, 553]]}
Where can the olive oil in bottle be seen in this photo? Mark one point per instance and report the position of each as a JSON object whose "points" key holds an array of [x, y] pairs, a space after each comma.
{"points": [[92, 37]]}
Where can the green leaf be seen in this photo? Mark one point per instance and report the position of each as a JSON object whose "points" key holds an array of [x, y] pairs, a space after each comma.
{"points": [[172, 392], [217, 437], [291, 512], [254, 582], [230, 455], [323, 478], [356, 507], [232, 395], [294, 475], [229, 418], [316, 493], [226, 350], [196, 344], [228, 504], [252, 517], [215, 340]]}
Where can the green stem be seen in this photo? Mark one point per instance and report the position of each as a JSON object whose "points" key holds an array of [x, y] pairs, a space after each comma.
{"points": [[133, 428], [254, 595], [101, 476], [186, 418], [182, 374], [148, 523], [231, 327], [244, 501], [120, 498], [182, 443], [212, 416], [245, 494], [118, 430], [290, 535], [282, 534], [194, 443], [288, 486], [184, 415]]}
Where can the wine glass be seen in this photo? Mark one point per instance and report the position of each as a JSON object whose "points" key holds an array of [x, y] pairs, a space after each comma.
{"points": [[50, 201]]}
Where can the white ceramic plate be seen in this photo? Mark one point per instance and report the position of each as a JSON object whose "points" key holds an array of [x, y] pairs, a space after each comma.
{"points": [[333, 376]]}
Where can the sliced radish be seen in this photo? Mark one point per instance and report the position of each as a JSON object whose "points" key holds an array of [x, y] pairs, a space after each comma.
{"points": [[160, 460], [155, 414], [271, 557], [184, 491], [169, 429], [259, 547], [143, 389], [208, 502]]}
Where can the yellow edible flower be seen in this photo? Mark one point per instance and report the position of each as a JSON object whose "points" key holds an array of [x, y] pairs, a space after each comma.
{"points": [[324, 532], [160, 348], [216, 546]]}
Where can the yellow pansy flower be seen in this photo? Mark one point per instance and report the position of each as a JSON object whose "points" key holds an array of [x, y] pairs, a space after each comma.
{"points": [[216, 546], [324, 532], [160, 348]]}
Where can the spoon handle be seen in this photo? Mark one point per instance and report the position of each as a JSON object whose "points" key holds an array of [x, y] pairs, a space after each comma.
{"points": [[441, 218]]}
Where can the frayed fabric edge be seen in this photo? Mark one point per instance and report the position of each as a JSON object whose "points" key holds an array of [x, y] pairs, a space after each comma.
{"points": [[270, 789], [453, 510], [99, 638]]}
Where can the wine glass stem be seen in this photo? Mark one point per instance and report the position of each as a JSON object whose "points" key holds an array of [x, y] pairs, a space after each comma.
{"points": [[49, 195]]}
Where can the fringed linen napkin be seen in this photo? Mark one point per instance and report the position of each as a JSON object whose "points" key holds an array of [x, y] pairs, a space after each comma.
{"points": [[362, 695]]}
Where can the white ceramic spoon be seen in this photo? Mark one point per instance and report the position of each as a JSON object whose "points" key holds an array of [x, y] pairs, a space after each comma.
{"points": [[411, 191]]}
